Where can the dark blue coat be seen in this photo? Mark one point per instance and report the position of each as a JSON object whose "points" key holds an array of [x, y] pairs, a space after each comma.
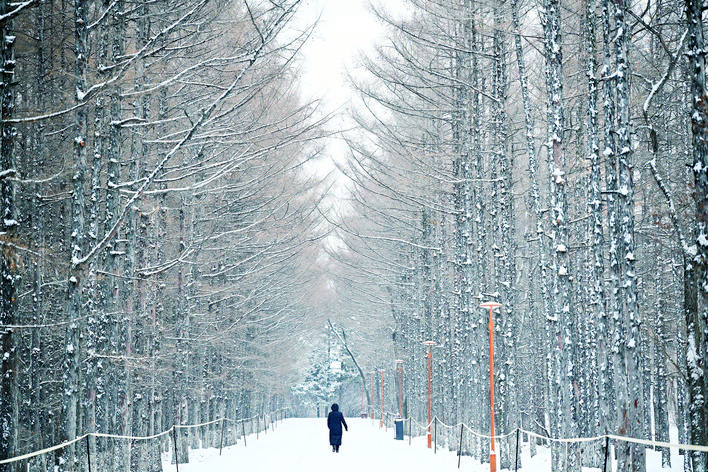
{"points": [[335, 420]]}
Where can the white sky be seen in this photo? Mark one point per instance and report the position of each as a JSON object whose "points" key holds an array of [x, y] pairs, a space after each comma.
{"points": [[345, 28]]}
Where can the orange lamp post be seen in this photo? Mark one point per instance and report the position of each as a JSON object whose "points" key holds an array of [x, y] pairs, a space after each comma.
{"points": [[491, 306], [398, 363], [382, 401], [430, 345]]}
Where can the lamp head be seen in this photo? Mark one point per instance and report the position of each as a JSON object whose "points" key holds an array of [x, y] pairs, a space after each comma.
{"points": [[490, 305]]}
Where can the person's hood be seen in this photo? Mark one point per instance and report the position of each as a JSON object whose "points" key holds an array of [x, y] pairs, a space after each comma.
{"points": [[335, 407]]}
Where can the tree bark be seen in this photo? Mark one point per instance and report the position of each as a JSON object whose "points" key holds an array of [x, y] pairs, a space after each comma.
{"points": [[697, 319], [8, 260]]}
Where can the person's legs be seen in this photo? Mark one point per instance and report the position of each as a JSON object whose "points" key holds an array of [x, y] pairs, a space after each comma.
{"points": [[335, 440]]}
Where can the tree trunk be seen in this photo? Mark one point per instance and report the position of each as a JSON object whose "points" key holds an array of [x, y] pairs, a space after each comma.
{"points": [[628, 280], [72, 362], [8, 261], [560, 326], [697, 319]]}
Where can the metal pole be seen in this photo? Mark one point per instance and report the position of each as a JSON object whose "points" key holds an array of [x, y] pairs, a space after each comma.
{"points": [[410, 434], [88, 452], [516, 467], [174, 437], [459, 450], [221, 441], [435, 429], [243, 430], [382, 401], [607, 453]]}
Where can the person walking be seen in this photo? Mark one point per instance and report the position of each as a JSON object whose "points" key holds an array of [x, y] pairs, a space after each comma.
{"points": [[335, 421]]}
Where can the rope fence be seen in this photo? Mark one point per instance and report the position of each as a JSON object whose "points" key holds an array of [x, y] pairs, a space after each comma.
{"points": [[465, 441], [102, 451]]}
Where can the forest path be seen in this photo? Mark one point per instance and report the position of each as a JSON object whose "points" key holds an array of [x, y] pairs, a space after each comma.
{"points": [[302, 444]]}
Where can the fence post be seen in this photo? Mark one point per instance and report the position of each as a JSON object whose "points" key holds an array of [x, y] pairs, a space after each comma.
{"points": [[459, 450], [243, 429], [435, 433], [410, 433], [258, 425], [88, 452], [607, 452], [516, 467], [174, 437], [221, 440]]}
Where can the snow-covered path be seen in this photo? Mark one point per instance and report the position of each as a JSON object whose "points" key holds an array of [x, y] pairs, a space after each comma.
{"points": [[302, 445]]}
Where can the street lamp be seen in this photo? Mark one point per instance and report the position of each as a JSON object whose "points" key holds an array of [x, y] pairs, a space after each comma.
{"points": [[382, 401], [399, 362], [430, 345], [491, 306]]}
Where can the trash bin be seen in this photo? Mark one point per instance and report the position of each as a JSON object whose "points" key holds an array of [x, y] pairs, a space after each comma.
{"points": [[399, 429]]}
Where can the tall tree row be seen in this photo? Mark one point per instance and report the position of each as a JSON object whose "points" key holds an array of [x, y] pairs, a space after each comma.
{"points": [[157, 226], [456, 204]]}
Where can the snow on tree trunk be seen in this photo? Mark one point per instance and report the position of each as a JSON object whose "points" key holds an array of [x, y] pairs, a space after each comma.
{"points": [[35, 387], [659, 384], [609, 155], [180, 376], [8, 261], [697, 320], [541, 241], [112, 286], [97, 323], [597, 295], [616, 306], [136, 234], [628, 281], [561, 324], [480, 201], [72, 349], [465, 213], [509, 417]]}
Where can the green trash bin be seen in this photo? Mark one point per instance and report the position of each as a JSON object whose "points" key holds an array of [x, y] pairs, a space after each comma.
{"points": [[399, 429]]}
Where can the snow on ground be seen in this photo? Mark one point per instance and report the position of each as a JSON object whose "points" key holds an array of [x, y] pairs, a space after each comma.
{"points": [[302, 445]]}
